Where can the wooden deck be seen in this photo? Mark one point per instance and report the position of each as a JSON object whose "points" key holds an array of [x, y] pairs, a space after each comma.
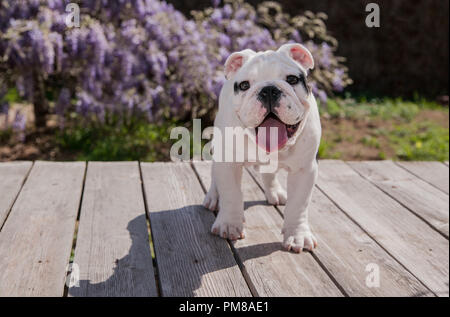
{"points": [[138, 229]]}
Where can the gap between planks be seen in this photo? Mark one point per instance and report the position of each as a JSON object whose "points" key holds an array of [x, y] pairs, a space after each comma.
{"points": [[419, 248], [75, 233], [43, 217], [190, 261], [345, 250], [241, 266], [258, 182], [143, 191], [434, 173], [273, 271], [425, 201], [150, 234], [113, 250], [11, 187]]}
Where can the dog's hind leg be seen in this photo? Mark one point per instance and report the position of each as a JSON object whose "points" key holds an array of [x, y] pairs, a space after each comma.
{"points": [[275, 193]]}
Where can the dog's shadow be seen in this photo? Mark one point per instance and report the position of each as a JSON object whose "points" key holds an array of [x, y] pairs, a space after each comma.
{"points": [[186, 254]]}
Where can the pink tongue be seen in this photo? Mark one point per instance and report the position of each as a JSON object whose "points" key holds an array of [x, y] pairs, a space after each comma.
{"points": [[271, 141]]}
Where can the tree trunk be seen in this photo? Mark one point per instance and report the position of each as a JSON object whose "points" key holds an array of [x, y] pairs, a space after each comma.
{"points": [[39, 101]]}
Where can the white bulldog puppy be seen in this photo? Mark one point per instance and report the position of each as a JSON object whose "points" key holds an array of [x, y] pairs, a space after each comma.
{"points": [[269, 90]]}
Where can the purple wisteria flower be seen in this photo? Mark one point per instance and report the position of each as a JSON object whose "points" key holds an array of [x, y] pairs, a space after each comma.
{"points": [[338, 83], [236, 26], [139, 58], [4, 108], [19, 124]]}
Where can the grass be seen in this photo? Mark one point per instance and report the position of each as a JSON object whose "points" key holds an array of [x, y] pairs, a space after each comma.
{"points": [[11, 96], [5, 135], [353, 129], [327, 150], [139, 141], [384, 129], [386, 108], [423, 141]]}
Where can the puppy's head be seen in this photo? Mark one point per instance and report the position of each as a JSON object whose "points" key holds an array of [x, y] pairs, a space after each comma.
{"points": [[269, 90]]}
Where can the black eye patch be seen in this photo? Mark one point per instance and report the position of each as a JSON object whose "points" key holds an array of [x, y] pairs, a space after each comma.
{"points": [[302, 78], [294, 80], [243, 86]]}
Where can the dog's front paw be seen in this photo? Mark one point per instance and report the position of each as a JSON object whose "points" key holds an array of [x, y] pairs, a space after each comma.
{"points": [[228, 229], [298, 239], [276, 196]]}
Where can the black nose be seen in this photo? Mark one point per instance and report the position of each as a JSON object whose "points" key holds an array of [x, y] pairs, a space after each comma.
{"points": [[269, 96]]}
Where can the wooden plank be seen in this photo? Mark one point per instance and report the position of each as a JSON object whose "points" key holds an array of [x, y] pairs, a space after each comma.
{"points": [[36, 240], [422, 250], [347, 251], [12, 176], [272, 271], [434, 173], [191, 261], [426, 201], [113, 248]]}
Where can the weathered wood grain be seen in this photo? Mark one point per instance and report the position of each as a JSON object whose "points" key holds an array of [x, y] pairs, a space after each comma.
{"points": [[348, 252], [272, 271], [36, 240], [113, 248], [191, 261], [422, 250], [12, 176], [434, 173], [421, 198]]}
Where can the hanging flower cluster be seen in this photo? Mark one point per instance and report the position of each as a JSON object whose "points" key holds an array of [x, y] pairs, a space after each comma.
{"points": [[142, 57]]}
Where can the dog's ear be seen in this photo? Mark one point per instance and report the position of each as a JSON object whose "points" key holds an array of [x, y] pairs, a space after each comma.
{"points": [[235, 61], [299, 54]]}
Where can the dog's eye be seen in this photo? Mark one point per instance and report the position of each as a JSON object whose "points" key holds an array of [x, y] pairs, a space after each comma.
{"points": [[292, 80], [244, 85]]}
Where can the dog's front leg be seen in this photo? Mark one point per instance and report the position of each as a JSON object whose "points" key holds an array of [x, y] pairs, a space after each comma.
{"points": [[230, 220], [297, 234]]}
